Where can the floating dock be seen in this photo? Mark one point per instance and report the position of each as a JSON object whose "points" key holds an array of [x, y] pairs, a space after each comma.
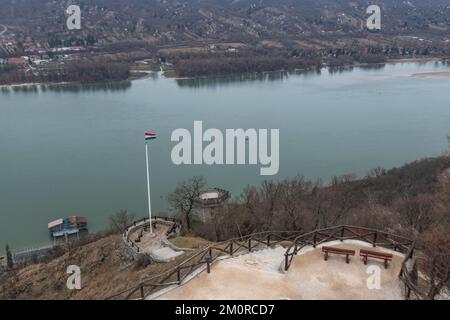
{"points": [[69, 226]]}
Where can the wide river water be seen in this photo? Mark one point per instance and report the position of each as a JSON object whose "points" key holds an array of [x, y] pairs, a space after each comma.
{"points": [[80, 149]]}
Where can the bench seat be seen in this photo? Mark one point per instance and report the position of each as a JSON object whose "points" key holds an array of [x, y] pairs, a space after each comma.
{"points": [[335, 250], [377, 255]]}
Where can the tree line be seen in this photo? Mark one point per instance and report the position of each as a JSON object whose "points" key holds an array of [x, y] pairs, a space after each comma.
{"points": [[256, 59], [75, 71]]}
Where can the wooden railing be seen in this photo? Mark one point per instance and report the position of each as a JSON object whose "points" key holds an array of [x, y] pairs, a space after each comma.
{"points": [[376, 238], [341, 233], [208, 255], [141, 224], [204, 258], [409, 280]]}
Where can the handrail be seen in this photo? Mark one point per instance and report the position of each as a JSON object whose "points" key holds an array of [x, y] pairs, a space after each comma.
{"points": [[210, 253], [141, 223], [371, 236], [202, 252]]}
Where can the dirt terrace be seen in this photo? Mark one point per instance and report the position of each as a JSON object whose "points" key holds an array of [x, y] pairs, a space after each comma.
{"points": [[257, 276]]}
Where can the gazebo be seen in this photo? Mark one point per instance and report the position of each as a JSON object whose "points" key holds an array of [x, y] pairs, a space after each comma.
{"points": [[209, 201]]}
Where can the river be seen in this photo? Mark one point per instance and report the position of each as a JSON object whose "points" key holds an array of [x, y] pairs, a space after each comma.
{"points": [[80, 149]]}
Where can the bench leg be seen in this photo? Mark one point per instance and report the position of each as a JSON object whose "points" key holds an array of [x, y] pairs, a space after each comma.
{"points": [[326, 256], [385, 263], [347, 259], [365, 259]]}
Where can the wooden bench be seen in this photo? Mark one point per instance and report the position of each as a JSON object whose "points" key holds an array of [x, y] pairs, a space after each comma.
{"points": [[334, 250], [377, 255]]}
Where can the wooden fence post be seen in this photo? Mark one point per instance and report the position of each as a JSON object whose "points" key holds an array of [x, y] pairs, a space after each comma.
{"points": [[250, 245], [314, 239], [141, 289], [342, 233], [231, 248], [208, 260], [208, 264], [375, 236], [286, 262], [268, 240], [411, 253], [178, 275]]}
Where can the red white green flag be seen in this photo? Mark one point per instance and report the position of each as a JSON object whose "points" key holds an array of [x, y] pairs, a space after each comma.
{"points": [[150, 136]]}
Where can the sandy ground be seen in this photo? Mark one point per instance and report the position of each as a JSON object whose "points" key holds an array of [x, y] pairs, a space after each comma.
{"points": [[421, 59], [257, 276], [432, 74]]}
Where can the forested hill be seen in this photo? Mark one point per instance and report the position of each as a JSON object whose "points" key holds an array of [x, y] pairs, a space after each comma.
{"points": [[172, 21]]}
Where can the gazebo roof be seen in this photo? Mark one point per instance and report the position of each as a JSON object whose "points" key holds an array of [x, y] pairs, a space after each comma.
{"points": [[213, 197]]}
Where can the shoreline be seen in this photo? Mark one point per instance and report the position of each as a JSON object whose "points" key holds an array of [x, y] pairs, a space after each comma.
{"points": [[145, 74], [135, 75], [31, 84], [405, 60], [36, 84], [437, 74], [388, 61]]}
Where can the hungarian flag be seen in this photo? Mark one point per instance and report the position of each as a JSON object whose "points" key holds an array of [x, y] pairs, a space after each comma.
{"points": [[150, 136]]}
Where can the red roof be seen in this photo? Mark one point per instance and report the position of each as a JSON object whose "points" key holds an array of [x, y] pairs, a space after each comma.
{"points": [[17, 60]]}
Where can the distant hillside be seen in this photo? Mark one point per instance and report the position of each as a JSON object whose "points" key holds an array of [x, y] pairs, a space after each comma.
{"points": [[175, 21]]}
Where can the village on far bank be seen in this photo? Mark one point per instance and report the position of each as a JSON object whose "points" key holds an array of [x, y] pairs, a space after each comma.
{"points": [[28, 52]]}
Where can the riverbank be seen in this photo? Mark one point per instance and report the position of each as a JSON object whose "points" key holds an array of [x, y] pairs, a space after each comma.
{"points": [[403, 60], [33, 84], [171, 74], [141, 74], [432, 74], [135, 75]]}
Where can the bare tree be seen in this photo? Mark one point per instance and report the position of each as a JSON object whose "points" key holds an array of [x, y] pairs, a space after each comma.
{"points": [[250, 202], [120, 220], [417, 212], [270, 196], [437, 262], [183, 199], [317, 204], [292, 198], [9, 258], [376, 172]]}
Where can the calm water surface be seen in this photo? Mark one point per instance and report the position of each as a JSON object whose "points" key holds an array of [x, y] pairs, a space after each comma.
{"points": [[80, 150]]}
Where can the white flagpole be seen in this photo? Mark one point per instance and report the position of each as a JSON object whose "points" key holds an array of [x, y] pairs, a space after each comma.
{"points": [[148, 189]]}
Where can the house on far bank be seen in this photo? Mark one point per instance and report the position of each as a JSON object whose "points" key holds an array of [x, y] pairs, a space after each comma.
{"points": [[19, 61], [40, 62], [210, 201]]}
